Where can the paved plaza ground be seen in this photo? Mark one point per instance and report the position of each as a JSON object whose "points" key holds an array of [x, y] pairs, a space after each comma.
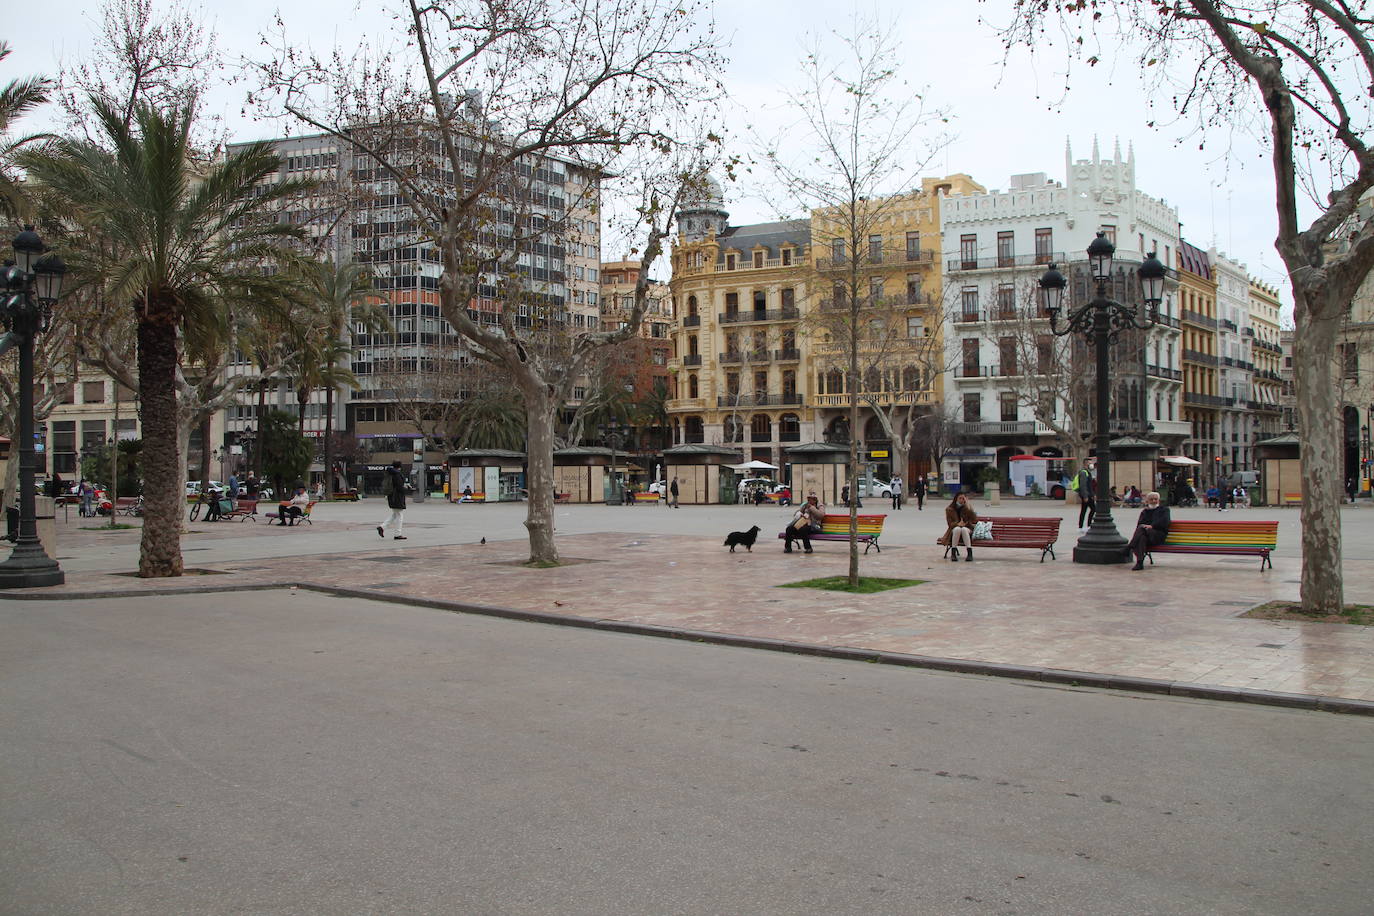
{"points": [[1177, 623]]}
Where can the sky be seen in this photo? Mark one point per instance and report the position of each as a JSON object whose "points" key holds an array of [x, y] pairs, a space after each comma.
{"points": [[1008, 115]]}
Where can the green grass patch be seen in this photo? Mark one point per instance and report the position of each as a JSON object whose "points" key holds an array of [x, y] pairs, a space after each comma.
{"points": [[867, 584], [1361, 615], [117, 527]]}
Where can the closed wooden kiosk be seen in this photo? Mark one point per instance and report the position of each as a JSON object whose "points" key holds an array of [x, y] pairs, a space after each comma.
{"points": [[1280, 460], [820, 468], [700, 470]]}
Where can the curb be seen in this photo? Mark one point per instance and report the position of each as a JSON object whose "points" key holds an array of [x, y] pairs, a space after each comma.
{"points": [[1062, 676]]}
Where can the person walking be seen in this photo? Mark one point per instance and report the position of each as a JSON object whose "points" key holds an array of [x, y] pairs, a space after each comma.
{"points": [[233, 488], [896, 491], [394, 488], [919, 489], [1084, 485], [672, 493], [1150, 529]]}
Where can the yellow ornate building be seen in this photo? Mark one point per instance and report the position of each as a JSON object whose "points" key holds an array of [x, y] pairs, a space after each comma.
{"points": [[757, 359], [1197, 294], [1267, 355]]}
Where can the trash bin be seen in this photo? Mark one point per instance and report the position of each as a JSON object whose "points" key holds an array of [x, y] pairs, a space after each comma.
{"points": [[992, 493]]}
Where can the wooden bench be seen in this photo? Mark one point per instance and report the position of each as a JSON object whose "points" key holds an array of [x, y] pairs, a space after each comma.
{"points": [[292, 520], [245, 508], [646, 497], [561, 498], [1252, 539], [836, 528], [1020, 531], [129, 505], [345, 496], [1292, 499]]}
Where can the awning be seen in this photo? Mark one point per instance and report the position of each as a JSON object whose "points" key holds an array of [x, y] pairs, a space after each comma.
{"points": [[1182, 460], [755, 465]]}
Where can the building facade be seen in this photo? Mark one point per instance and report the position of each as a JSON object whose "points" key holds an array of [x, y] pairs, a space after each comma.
{"points": [[1201, 402], [1235, 365], [997, 245]]}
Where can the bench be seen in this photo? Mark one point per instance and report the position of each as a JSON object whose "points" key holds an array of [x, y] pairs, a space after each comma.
{"points": [[345, 496], [646, 497], [836, 528], [129, 505], [245, 508], [560, 498], [1020, 531], [304, 516], [1253, 539], [1292, 499]]}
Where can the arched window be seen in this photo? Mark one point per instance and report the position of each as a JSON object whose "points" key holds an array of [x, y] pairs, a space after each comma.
{"points": [[733, 429], [873, 380], [834, 382], [692, 388], [911, 379], [837, 430], [691, 305], [789, 428], [694, 431]]}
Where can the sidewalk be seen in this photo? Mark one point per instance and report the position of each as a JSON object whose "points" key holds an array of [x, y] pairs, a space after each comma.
{"points": [[1176, 624]]}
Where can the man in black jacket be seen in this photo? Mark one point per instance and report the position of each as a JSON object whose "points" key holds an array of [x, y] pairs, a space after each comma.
{"points": [[1151, 528], [394, 487]]}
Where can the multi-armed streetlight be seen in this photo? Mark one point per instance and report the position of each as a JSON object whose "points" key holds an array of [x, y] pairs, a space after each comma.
{"points": [[1100, 322], [30, 287]]}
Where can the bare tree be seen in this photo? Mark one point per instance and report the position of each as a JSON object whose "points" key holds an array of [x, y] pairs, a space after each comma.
{"points": [[516, 94], [1306, 66], [853, 161]]}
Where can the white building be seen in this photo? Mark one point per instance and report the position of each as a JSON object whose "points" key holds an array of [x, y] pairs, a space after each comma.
{"points": [[1236, 365], [997, 246]]}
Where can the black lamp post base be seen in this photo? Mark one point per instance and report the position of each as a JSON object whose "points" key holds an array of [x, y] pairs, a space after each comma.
{"points": [[1103, 545], [29, 567]]}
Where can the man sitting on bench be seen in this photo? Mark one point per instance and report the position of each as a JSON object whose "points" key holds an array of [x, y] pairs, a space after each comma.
{"points": [[288, 511], [806, 523]]}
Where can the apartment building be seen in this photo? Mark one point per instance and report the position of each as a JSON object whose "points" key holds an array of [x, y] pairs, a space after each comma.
{"points": [[1267, 353], [757, 361], [359, 215], [997, 245], [641, 364], [1237, 420], [1201, 401]]}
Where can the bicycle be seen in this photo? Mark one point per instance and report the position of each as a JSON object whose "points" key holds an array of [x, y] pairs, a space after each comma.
{"points": [[204, 499]]}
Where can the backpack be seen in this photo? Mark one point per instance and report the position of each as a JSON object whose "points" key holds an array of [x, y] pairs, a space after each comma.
{"points": [[389, 484], [1077, 482]]}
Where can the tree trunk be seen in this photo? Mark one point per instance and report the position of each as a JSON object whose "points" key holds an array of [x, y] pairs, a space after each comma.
{"points": [[539, 457], [1319, 419], [163, 468], [329, 483], [205, 469]]}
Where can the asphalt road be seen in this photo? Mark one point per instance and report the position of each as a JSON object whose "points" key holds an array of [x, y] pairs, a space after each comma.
{"points": [[285, 752]]}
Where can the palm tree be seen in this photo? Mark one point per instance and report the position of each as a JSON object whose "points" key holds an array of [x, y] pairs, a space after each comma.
{"points": [[188, 248], [16, 98]]}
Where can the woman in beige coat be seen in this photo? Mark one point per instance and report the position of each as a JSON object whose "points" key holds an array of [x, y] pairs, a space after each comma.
{"points": [[960, 518]]}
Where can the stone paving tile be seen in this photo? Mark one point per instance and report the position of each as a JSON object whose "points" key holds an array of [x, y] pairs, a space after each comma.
{"points": [[1176, 621]]}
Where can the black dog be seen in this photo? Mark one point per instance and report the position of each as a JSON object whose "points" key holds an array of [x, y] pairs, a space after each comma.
{"points": [[747, 538]]}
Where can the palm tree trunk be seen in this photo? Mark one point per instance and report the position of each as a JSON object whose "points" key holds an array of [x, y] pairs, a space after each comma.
{"points": [[163, 499]]}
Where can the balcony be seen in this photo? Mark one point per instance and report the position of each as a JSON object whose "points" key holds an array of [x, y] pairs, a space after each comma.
{"points": [[760, 400], [743, 356], [1228, 324], [1199, 319], [995, 428], [1197, 356], [691, 321], [692, 359], [784, 314], [880, 398], [675, 404], [787, 355], [968, 317], [1203, 400], [1161, 372], [980, 371], [1248, 332], [1020, 260]]}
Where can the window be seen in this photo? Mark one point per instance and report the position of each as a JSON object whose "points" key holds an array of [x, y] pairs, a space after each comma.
{"points": [[732, 303], [1044, 354], [838, 295], [1350, 361], [973, 407], [691, 305], [787, 257], [1110, 233], [760, 301], [968, 252], [1006, 301], [1044, 246], [730, 262], [761, 382], [875, 289], [1006, 355], [92, 392], [915, 327], [692, 386], [970, 345], [789, 381], [789, 298], [968, 298], [913, 289], [1008, 404], [1006, 249], [732, 384], [758, 259], [875, 248], [837, 249], [913, 246]]}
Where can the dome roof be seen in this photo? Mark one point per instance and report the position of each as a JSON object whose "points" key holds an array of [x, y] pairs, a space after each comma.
{"points": [[711, 196]]}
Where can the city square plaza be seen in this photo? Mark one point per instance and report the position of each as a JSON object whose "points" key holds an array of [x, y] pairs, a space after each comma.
{"points": [[1177, 625]]}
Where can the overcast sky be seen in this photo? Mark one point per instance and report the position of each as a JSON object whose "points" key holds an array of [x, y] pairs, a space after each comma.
{"points": [[1006, 121]]}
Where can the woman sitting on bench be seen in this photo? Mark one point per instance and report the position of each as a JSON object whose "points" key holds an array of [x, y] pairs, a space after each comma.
{"points": [[961, 518], [289, 510]]}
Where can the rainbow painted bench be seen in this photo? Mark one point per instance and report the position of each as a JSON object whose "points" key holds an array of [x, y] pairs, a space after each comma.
{"points": [[1255, 539], [836, 528]]}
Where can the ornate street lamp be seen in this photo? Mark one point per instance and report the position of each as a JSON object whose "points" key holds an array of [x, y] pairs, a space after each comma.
{"points": [[30, 287], [1100, 322], [613, 434]]}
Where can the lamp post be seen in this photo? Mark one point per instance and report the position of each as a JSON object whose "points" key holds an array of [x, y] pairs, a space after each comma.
{"points": [[1365, 455], [1099, 322], [31, 286], [613, 434], [246, 438]]}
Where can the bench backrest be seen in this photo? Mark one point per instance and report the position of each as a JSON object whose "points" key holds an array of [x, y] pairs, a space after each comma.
{"points": [[246, 506], [1192, 533], [1011, 527], [839, 524]]}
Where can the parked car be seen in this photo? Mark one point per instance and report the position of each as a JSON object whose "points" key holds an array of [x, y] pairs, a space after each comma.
{"points": [[878, 487], [658, 487], [193, 486]]}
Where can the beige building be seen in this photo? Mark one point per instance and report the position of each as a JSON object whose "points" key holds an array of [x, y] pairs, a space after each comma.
{"points": [[758, 365], [1267, 354], [1201, 403]]}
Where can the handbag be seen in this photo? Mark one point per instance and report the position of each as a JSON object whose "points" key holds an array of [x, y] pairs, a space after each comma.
{"points": [[982, 531]]}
